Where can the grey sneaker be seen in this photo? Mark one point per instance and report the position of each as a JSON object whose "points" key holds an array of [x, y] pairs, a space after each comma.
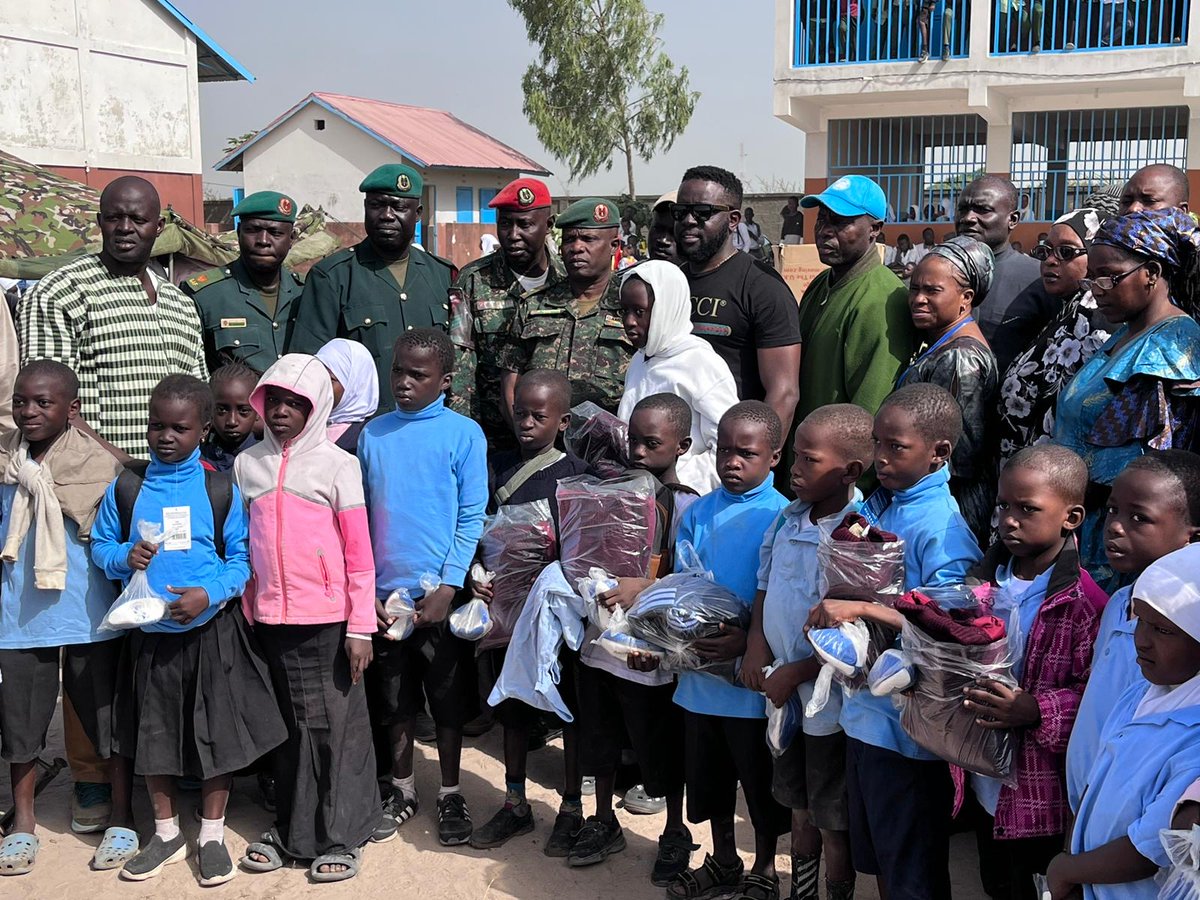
{"points": [[638, 801]]}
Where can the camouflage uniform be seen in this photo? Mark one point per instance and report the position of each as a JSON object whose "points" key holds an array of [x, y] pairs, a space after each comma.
{"points": [[485, 299], [592, 350]]}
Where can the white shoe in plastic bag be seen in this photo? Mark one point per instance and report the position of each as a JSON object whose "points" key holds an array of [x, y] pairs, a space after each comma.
{"points": [[399, 604], [471, 621], [138, 604]]}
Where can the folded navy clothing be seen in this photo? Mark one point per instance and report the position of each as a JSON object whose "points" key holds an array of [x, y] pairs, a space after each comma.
{"points": [[681, 609]]}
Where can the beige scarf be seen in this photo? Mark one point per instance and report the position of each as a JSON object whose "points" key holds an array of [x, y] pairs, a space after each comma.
{"points": [[70, 481]]}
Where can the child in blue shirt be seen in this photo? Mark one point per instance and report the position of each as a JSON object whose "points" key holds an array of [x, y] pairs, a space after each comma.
{"points": [[725, 724], [1147, 758], [53, 477], [900, 795], [1152, 510], [425, 473], [198, 699], [832, 449]]}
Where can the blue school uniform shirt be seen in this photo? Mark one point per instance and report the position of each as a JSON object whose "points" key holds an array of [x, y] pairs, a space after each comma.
{"points": [[789, 573], [727, 531], [1024, 599], [426, 483], [30, 617], [1141, 770], [177, 485], [939, 549], [1114, 669]]}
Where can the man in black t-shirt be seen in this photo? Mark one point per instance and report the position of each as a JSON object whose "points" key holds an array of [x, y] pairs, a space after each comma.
{"points": [[740, 306], [792, 231]]}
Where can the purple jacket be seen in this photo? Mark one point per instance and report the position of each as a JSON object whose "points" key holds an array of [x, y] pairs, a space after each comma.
{"points": [[1058, 658]]}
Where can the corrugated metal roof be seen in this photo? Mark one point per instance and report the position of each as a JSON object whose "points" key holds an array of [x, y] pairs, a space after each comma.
{"points": [[213, 62], [427, 137]]}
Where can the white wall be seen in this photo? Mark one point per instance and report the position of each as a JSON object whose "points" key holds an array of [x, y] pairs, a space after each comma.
{"points": [[99, 83], [448, 181]]}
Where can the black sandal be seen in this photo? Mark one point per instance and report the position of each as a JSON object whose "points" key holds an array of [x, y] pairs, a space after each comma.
{"points": [[758, 887], [710, 879]]}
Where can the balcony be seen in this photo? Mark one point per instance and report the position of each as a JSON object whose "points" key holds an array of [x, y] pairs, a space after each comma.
{"points": [[1065, 26], [852, 32]]}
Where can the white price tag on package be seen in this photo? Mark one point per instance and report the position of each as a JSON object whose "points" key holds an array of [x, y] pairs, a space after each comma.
{"points": [[177, 524]]}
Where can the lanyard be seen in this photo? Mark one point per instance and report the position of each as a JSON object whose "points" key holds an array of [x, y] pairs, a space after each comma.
{"points": [[943, 339]]}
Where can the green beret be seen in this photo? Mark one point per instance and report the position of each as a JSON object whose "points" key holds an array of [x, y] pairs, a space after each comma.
{"points": [[394, 179], [590, 212], [270, 205]]}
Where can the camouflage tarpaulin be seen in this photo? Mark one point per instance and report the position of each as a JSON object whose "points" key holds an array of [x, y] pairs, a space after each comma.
{"points": [[43, 214]]}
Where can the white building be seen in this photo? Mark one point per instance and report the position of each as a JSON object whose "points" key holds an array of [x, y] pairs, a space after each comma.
{"points": [[96, 89], [1111, 87], [319, 151]]}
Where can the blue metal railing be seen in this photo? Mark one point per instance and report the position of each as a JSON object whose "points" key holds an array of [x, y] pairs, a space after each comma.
{"points": [[1061, 26], [867, 31]]}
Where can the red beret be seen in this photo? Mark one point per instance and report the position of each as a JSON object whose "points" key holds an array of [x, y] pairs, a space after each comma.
{"points": [[524, 193]]}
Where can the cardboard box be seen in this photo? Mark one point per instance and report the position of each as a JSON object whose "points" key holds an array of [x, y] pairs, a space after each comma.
{"points": [[799, 265]]}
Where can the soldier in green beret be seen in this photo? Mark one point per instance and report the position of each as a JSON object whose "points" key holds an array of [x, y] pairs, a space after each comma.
{"points": [[245, 307], [574, 326], [383, 286], [483, 303]]}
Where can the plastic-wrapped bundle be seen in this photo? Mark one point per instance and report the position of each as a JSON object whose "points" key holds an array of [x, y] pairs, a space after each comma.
{"points": [[399, 605], [471, 621], [607, 525], [138, 604], [597, 581], [953, 639], [517, 544], [599, 438], [784, 723], [1181, 879], [681, 609], [860, 562]]}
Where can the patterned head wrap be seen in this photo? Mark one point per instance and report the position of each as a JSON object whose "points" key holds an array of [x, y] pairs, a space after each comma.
{"points": [[1105, 200], [971, 257], [1085, 222], [1156, 233]]}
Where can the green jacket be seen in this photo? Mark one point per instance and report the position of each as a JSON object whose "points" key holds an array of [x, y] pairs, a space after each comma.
{"points": [[480, 328], [857, 336], [592, 350], [237, 324], [353, 295]]}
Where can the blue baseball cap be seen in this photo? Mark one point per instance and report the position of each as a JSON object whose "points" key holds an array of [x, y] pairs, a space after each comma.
{"points": [[851, 195]]}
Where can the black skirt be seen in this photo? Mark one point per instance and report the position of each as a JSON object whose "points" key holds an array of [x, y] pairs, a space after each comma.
{"points": [[197, 703], [326, 798]]}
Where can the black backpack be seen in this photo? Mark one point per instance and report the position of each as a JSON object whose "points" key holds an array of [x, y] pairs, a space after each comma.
{"points": [[218, 486]]}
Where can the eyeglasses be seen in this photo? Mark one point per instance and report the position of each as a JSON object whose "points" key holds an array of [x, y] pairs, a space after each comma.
{"points": [[1107, 282], [1063, 253], [701, 212]]}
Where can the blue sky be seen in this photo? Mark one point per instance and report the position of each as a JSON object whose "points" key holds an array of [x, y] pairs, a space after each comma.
{"points": [[468, 56]]}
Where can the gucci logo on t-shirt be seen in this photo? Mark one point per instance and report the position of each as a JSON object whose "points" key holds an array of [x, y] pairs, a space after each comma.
{"points": [[708, 306]]}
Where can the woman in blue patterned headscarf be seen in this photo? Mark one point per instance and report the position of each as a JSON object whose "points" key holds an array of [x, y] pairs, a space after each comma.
{"points": [[944, 289], [1137, 393]]}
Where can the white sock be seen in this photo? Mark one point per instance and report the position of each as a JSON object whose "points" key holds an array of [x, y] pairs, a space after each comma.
{"points": [[406, 786], [212, 830], [167, 829], [445, 790]]}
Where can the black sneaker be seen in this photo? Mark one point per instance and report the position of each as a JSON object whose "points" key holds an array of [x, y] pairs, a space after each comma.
{"points": [[562, 838], [509, 822], [400, 808], [674, 856], [595, 841], [454, 820]]}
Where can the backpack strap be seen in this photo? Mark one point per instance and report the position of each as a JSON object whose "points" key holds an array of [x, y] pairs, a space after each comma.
{"points": [[129, 485], [544, 460], [219, 487]]}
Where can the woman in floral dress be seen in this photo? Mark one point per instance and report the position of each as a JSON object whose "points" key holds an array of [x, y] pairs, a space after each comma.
{"points": [[1030, 387]]}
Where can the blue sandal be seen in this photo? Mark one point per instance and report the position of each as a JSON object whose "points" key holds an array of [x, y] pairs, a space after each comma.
{"points": [[117, 847], [18, 852]]}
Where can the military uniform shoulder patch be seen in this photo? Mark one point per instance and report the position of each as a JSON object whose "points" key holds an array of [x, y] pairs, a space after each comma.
{"points": [[205, 278]]}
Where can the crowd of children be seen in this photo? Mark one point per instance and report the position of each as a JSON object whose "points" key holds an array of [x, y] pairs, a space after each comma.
{"points": [[250, 494]]}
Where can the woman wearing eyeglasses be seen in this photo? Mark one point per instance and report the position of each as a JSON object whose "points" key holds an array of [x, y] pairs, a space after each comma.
{"points": [[1136, 392], [1029, 389], [945, 287]]}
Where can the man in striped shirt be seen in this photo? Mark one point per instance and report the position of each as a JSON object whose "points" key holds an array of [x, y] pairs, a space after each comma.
{"points": [[119, 325]]}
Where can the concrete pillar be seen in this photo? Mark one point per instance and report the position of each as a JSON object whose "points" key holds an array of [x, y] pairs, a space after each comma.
{"points": [[999, 147]]}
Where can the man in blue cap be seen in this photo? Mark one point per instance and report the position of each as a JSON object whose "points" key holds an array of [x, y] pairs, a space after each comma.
{"points": [[383, 286], [854, 317], [245, 306]]}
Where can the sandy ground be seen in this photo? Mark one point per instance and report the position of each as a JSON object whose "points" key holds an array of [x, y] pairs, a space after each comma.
{"points": [[414, 865]]}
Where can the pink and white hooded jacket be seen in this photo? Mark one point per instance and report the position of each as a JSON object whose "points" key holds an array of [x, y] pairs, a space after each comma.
{"points": [[310, 548]]}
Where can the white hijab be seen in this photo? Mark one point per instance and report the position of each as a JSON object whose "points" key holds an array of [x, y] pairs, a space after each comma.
{"points": [[1171, 586], [670, 329], [354, 367]]}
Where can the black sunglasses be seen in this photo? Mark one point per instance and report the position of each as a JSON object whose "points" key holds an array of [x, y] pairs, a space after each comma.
{"points": [[1063, 253], [701, 212]]}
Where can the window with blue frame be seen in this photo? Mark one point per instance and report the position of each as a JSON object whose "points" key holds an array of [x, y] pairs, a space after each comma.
{"points": [[921, 162], [1060, 158], [869, 31], [1065, 26], [465, 203], [487, 215]]}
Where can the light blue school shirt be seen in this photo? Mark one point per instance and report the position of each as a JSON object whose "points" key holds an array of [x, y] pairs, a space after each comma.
{"points": [[1114, 669], [1141, 770], [790, 574], [1024, 598], [939, 549], [727, 531], [30, 617]]}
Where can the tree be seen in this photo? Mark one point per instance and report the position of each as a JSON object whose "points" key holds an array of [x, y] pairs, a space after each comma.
{"points": [[233, 143], [602, 85]]}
